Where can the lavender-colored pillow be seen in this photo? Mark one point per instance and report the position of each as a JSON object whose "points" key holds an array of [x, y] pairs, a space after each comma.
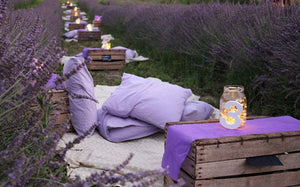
{"points": [[196, 110], [129, 52], [117, 129], [148, 100], [98, 18], [83, 110]]}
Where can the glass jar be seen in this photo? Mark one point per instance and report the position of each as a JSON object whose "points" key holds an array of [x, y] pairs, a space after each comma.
{"points": [[233, 107]]}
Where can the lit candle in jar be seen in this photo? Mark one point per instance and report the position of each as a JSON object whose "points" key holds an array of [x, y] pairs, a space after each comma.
{"points": [[77, 21], [89, 27], [233, 107]]}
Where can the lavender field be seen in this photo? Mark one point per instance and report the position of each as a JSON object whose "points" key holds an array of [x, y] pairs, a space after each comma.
{"points": [[200, 46], [205, 46]]}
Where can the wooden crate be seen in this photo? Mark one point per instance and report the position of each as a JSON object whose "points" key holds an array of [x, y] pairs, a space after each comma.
{"points": [[97, 23], [73, 17], [222, 161], [106, 59], [73, 12], [73, 26], [62, 108], [70, 7], [89, 36]]}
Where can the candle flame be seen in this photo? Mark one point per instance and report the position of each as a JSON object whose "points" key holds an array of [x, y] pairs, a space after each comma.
{"points": [[77, 21], [71, 4], [89, 27], [75, 8]]}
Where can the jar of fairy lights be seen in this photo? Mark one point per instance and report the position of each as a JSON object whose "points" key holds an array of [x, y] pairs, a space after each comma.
{"points": [[233, 107]]}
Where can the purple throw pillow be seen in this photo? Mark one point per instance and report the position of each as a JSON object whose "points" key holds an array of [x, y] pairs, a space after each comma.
{"points": [[148, 100], [83, 110], [196, 110]]}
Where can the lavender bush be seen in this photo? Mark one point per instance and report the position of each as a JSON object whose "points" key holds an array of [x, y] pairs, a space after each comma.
{"points": [[29, 55], [214, 43]]}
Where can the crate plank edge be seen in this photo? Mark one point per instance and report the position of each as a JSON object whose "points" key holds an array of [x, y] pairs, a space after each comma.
{"points": [[84, 36], [116, 57]]}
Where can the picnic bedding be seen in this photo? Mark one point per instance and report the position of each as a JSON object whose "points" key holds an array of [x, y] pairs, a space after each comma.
{"points": [[99, 150], [137, 108]]}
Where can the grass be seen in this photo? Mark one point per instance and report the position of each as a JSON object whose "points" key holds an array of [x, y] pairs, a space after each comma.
{"points": [[28, 4]]}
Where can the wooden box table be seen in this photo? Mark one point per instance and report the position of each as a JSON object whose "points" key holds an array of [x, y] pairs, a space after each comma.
{"points": [[74, 17], [84, 35], [97, 23], [73, 26], [207, 154], [105, 59]]}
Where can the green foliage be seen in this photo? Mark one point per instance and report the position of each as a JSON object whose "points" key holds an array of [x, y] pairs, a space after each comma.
{"points": [[27, 4]]}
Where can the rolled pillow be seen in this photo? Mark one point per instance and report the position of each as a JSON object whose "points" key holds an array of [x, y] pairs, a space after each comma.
{"points": [[148, 100], [117, 129], [83, 110], [196, 110]]}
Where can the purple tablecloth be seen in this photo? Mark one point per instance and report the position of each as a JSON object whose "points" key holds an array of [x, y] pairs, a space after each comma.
{"points": [[180, 137]]}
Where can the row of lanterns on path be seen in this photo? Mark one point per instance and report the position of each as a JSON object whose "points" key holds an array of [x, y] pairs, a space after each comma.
{"points": [[89, 28]]}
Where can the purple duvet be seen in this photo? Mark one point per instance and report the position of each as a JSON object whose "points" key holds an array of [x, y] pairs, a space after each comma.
{"points": [[118, 129]]}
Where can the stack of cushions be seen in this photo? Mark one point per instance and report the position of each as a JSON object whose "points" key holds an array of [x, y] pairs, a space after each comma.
{"points": [[83, 110], [140, 107], [137, 108], [148, 100]]}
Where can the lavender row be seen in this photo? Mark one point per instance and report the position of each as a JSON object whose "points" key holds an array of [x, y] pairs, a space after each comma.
{"points": [[257, 42]]}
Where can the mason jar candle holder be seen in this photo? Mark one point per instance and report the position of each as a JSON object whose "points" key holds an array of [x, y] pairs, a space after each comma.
{"points": [[233, 107]]}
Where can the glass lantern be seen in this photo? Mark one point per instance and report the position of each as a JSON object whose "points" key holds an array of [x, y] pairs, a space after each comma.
{"points": [[233, 107]]}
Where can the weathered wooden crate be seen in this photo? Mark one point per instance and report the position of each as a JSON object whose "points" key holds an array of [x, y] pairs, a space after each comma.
{"points": [[88, 35], [105, 59], [62, 107], [97, 23], [222, 161], [75, 11], [73, 17], [73, 26], [70, 6]]}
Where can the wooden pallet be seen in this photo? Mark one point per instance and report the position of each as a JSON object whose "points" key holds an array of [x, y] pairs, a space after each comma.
{"points": [[97, 23], [222, 161], [73, 17], [62, 107], [106, 59], [73, 26], [84, 36]]}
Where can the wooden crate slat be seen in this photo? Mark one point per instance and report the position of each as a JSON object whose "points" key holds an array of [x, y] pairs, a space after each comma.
{"points": [[242, 149], [113, 57], [73, 26], [100, 52], [61, 118], [105, 65], [288, 178], [89, 36], [97, 23], [117, 57], [237, 167]]}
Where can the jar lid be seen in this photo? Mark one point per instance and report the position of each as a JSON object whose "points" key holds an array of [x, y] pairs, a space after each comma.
{"points": [[233, 88]]}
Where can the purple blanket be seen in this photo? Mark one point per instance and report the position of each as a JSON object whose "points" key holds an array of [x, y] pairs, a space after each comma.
{"points": [[117, 129], [180, 137]]}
